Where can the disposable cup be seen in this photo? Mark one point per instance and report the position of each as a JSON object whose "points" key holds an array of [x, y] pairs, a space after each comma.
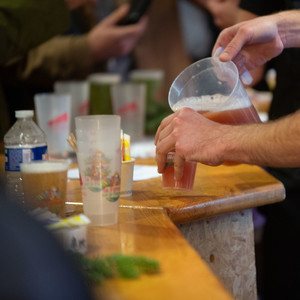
{"points": [[79, 91], [45, 184], [128, 101], [127, 177], [188, 177], [99, 92], [155, 107], [99, 162], [53, 116]]}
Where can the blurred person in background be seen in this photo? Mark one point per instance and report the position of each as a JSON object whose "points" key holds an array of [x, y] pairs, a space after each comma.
{"points": [[33, 264], [198, 30], [84, 49], [226, 13], [34, 24]]}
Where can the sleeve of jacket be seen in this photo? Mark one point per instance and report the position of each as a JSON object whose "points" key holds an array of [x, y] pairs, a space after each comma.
{"points": [[60, 58], [24, 24]]}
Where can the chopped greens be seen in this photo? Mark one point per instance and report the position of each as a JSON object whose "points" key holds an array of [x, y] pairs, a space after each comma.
{"points": [[116, 265]]}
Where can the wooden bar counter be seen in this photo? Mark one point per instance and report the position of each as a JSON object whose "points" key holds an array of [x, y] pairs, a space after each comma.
{"points": [[150, 233], [215, 219], [203, 239]]}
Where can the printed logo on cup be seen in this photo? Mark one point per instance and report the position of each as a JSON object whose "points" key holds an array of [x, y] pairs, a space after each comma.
{"points": [[83, 109], [97, 177], [59, 122], [130, 107], [50, 197]]}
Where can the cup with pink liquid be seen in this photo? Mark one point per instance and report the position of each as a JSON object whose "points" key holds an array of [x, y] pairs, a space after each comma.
{"points": [[188, 176]]}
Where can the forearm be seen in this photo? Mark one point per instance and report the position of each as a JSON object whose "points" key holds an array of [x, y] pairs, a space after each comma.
{"points": [[61, 58], [288, 23], [274, 144]]}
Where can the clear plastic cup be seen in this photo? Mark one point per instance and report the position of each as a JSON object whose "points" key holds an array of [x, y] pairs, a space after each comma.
{"points": [[53, 112], [99, 162], [45, 185], [129, 100], [79, 91]]}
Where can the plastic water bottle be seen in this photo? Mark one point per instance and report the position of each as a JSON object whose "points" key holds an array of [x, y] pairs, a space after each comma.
{"points": [[24, 142]]}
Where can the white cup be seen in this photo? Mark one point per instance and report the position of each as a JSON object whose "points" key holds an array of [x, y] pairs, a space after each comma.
{"points": [[128, 101], [79, 91], [53, 113], [99, 162]]}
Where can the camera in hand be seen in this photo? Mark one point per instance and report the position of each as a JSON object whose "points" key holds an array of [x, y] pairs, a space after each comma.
{"points": [[137, 9]]}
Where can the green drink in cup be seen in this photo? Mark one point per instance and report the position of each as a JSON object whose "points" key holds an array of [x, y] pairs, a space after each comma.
{"points": [[100, 97]]}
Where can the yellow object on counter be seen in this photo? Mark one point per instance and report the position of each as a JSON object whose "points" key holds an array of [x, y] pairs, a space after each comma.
{"points": [[125, 143], [70, 222]]}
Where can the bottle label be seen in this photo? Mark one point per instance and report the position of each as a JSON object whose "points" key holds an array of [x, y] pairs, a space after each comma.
{"points": [[14, 156]]}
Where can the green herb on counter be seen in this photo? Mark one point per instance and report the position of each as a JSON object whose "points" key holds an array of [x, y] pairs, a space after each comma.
{"points": [[117, 265]]}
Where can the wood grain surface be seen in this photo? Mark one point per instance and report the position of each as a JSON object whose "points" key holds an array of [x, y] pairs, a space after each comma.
{"points": [[217, 190], [203, 238], [183, 275]]}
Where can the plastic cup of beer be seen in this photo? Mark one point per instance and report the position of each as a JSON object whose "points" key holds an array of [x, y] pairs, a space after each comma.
{"points": [[99, 162], [188, 177], [45, 185]]}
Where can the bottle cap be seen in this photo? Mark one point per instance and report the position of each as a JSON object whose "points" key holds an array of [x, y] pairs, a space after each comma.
{"points": [[23, 113]]}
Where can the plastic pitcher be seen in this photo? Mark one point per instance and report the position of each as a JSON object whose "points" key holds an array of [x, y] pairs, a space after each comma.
{"points": [[213, 88]]}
